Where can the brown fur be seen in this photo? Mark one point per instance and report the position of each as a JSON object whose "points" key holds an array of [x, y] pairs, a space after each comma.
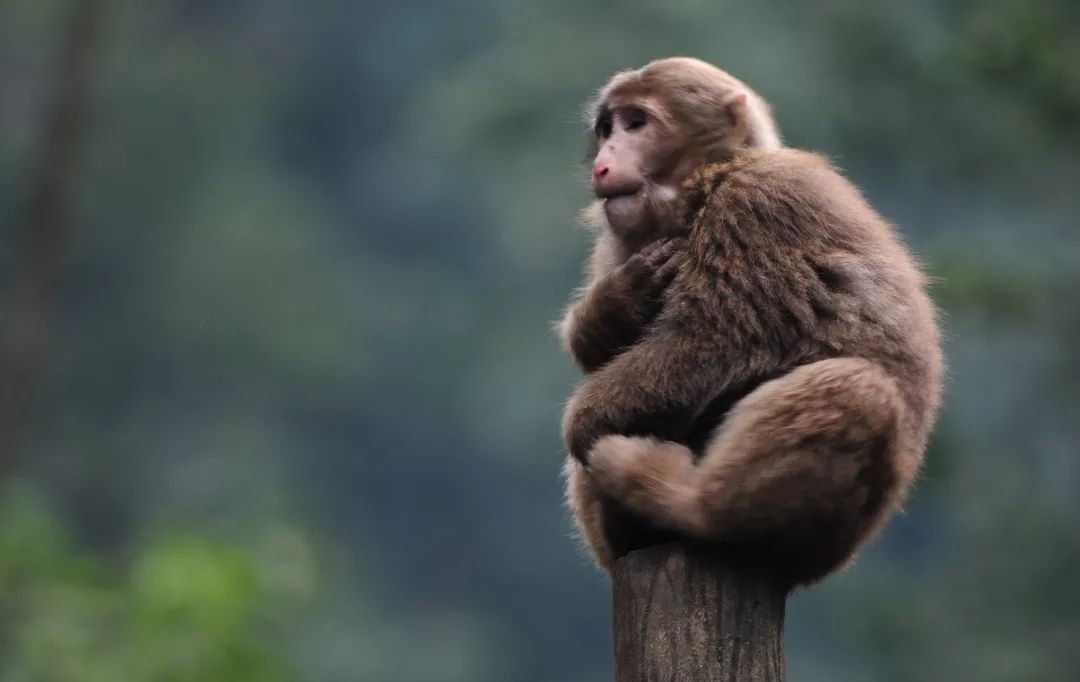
{"points": [[614, 311], [780, 389]]}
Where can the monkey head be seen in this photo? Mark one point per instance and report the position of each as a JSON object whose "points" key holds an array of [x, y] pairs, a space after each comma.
{"points": [[653, 127]]}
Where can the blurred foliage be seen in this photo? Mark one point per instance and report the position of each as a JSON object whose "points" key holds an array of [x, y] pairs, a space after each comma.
{"points": [[181, 608], [318, 252]]}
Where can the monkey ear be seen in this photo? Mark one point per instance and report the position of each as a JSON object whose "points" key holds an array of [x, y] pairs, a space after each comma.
{"points": [[738, 110]]}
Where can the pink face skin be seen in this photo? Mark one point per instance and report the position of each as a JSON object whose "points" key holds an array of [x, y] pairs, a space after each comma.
{"points": [[631, 170], [617, 172], [648, 141]]}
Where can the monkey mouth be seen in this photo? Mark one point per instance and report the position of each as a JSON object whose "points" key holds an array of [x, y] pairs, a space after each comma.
{"points": [[611, 188], [617, 193], [620, 207], [615, 204]]}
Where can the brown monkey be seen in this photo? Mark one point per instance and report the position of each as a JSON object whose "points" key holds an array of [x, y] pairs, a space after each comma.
{"points": [[763, 363]]}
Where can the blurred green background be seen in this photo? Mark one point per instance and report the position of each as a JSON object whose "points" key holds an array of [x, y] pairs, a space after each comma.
{"points": [[280, 392]]}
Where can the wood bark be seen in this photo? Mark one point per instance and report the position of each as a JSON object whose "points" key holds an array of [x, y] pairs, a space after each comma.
{"points": [[697, 613]]}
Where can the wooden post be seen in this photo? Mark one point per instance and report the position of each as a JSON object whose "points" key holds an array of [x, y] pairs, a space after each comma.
{"points": [[695, 613]]}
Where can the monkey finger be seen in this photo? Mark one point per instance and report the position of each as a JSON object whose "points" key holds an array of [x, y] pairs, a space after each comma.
{"points": [[660, 252], [636, 265], [666, 272], [651, 251], [678, 243]]}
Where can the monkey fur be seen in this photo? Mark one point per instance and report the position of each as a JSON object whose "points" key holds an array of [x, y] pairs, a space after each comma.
{"points": [[763, 368]]}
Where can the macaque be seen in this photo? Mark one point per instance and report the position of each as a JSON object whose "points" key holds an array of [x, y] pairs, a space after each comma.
{"points": [[762, 361]]}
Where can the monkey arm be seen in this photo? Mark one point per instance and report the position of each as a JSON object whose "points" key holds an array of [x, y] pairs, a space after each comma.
{"points": [[608, 319], [615, 310], [658, 387]]}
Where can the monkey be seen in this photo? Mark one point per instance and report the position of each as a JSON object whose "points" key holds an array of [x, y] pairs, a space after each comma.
{"points": [[762, 360]]}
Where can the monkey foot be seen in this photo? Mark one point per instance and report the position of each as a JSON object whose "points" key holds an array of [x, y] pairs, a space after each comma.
{"points": [[657, 479]]}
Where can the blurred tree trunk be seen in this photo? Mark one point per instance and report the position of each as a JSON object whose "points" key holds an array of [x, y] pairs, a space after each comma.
{"points": [[45, 233], [696, 613]]}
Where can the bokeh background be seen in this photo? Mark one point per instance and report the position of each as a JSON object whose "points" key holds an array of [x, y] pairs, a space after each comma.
{"points": [[280, 395]]}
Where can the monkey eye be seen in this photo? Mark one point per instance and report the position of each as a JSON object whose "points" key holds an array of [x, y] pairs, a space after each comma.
{"points": [[634, 118], [603, 127]]}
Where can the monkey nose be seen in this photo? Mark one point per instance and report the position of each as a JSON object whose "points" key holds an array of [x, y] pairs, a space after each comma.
{"points": [[599, 170]]}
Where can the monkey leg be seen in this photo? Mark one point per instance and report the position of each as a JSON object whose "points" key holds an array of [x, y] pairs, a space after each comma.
{"points": [[658, 479], [607, 528], [587, 504], [808, 464]]}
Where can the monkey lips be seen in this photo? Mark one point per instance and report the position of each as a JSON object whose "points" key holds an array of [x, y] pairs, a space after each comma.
{"points": [[621, 204]]}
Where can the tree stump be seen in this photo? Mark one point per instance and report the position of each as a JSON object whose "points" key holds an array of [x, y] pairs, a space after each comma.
{"points": [[697, 613]]}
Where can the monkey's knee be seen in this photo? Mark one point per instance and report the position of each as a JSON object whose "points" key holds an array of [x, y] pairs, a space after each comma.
{"points": [[829, 408], [811, 461], [582, 426], [586, 503]]}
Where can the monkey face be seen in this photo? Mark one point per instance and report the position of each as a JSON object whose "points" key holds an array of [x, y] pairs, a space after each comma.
{"points": [[652, 129], [632, 169]]}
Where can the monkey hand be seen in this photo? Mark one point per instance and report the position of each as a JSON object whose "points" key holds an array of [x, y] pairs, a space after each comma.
{"points": [[633, 294], [613, 315], [646, 274]]}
